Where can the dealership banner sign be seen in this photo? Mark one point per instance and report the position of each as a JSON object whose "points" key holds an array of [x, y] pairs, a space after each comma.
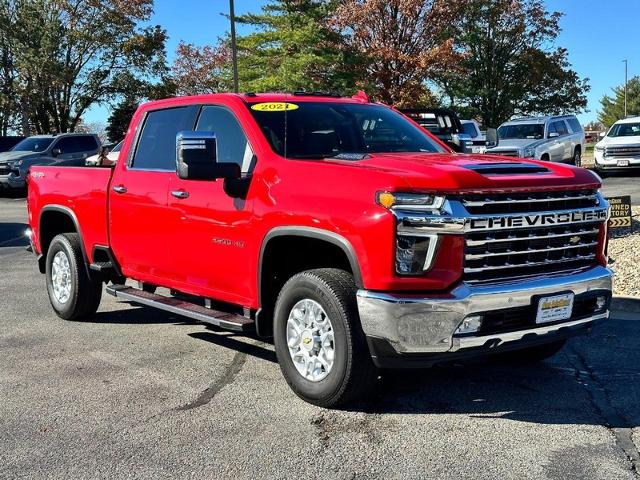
{"points": [[620, 211]]}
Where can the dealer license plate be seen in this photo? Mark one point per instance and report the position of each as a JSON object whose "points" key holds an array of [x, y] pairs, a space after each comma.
{"points": [[553, 309], [623, 163]]}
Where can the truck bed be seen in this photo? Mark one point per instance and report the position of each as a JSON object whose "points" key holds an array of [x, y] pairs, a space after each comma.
{"points": [[81, 190]]}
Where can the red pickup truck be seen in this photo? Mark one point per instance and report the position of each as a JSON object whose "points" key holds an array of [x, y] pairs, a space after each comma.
{"points": [[339, 227]]}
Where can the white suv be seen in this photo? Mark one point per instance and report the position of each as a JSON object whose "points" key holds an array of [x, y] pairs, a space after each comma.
{"points": [[555, 139], [620, 148]]}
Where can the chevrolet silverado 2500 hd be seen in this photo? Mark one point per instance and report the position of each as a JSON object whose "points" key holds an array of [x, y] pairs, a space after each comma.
{"points": [[338, 227]]}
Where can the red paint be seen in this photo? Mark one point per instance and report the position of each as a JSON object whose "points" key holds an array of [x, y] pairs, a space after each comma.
{"points": [[160, 239]]}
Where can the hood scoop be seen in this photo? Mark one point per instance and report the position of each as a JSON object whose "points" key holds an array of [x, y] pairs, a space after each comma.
{"points": [[506, 168]]}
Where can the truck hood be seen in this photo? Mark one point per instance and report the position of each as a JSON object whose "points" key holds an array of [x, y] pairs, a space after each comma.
{"points": [[634, 140], [6, 157], [516, 143], [475, 172]]}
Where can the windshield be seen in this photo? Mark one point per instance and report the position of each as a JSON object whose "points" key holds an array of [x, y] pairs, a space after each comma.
{"points": [[321, 130], [470, 129], [116, 148], [33, 144], [624, 130], [522, 131]]}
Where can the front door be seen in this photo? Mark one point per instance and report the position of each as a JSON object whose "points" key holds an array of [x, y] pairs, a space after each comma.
{"points": [[139, 227], [212, 231]]}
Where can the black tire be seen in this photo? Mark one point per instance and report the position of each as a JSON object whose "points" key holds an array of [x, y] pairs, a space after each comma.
{"points": [[577, 157], [545, 157], [353, 373], [532, 354], [85, 291]]}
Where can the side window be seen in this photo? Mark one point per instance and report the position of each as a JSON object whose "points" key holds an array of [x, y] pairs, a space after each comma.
{"points": [[156, 149], [575, 125], [86, 143], [552, 129], [561, 128], [233, 146], [68, 145]]}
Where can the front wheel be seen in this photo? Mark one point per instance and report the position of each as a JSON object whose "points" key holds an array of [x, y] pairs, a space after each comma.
{"points": [[73, 293], [318, 339]]}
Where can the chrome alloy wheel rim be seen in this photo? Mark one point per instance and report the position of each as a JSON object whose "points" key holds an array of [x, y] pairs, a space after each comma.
{"points": [[310, 340], [61, 277]]}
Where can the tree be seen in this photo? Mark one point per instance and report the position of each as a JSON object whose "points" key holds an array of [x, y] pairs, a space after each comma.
{"points": [[613, 107], [118, 121], [404, 43], [508, 66], [68, 55], [294, 48], [198, 70]]}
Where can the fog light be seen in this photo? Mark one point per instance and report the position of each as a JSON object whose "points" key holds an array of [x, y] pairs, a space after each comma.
{"points": [[470, 325], [601, 303], [414, 255]]}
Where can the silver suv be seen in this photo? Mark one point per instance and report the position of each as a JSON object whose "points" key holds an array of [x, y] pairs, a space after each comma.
{"points": [[554, 138]]}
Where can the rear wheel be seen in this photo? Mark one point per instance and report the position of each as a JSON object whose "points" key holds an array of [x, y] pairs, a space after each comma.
{"points": [[545, 157], [73, 293], [532, 354], [318, 339], [577, 157]]}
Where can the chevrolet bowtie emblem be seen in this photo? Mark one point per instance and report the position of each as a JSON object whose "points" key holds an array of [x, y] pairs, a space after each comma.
{"points": [[574, 240]]}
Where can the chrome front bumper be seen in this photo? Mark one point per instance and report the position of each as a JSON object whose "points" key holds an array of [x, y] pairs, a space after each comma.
{"points": [[426, 324]]}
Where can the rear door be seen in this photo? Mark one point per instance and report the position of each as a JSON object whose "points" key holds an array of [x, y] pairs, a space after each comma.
{"points": [[211, 232], [139, 227], [75, 149]]}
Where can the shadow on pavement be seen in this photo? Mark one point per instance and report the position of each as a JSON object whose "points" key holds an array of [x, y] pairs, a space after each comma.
{"points": [[12, 234], [594, 380]]}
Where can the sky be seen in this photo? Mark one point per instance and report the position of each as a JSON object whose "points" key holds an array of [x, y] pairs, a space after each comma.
{"points": [[597, 34]]}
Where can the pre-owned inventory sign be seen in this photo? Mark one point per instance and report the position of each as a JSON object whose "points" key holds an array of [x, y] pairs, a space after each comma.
{"points": [[620, 211]]}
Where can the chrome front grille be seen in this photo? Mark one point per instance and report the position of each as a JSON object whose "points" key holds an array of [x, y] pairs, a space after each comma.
{"points": [[529, 202], [622, 151], [505, 254]]}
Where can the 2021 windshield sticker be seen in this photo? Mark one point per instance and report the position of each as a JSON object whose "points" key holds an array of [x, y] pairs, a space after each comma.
{"points": [[274, 106]]}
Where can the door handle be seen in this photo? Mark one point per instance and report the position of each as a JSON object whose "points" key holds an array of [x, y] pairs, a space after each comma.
{"points": [[120, 189], [180, 194]]}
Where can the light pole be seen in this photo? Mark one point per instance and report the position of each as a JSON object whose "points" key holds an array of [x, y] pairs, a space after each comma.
{"points": [[625, 86], [234, 56]]}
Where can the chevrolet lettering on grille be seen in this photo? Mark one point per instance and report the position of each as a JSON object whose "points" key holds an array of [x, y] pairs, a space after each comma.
{"points": [[537, 220]]}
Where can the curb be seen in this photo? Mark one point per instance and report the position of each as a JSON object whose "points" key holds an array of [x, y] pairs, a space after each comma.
{"points": [[626, 304]]}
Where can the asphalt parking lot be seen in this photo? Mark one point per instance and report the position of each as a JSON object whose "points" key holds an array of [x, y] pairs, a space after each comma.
{"points": [[138, 393]]}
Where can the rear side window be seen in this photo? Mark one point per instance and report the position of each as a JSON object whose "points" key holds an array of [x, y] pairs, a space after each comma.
{"points": [[156, 149], [574, 124], [232, 143], [77, 144]]}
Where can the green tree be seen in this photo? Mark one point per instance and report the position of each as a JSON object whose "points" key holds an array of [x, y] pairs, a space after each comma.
{"points": [[612, 107], [294, 48], [118, 121], [509, 67], [68, 55]]}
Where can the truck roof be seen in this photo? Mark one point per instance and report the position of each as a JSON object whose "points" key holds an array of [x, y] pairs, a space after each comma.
{"points": [[629, 120], [253, 97], [540, 119]]}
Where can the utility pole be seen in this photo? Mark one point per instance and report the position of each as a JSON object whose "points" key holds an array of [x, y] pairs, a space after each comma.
{"points": [[626, 64], [234, 56]]}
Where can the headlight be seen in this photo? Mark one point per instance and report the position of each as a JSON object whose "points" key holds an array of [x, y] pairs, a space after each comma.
{"points": [[529, 152], [15, 164], [410, 201]]}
